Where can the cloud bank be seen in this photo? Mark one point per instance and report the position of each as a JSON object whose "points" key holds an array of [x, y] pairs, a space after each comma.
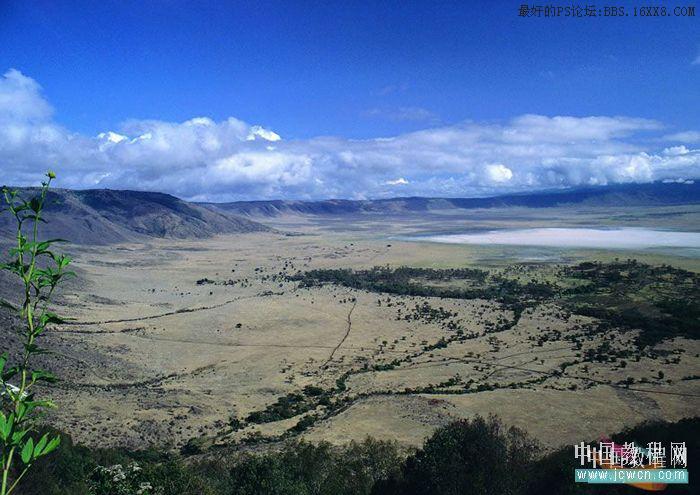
{"points": [[201, 159]]}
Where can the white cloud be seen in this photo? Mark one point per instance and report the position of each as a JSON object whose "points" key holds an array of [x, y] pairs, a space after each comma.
{"points": [[680, 180], [111, 137], [676, 150], [498, 173], [684, 137], [21, 100], [207, 160], [397, 182], [258, 132]]}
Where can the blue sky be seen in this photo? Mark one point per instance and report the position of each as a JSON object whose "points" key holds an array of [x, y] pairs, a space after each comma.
{"points": [[330, 78]]}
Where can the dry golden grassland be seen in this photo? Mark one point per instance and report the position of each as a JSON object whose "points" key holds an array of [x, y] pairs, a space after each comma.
{"points": [[154, 358]]}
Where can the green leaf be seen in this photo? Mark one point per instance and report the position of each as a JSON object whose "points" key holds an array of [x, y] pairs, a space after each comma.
{"points": [[23, 410], [3, 360], [35, 349], [50, 317], [51, 446], [56, 239], [39, 447], [12, 371], [27, 451], [35, 205], [33, 404], [18, 436], [42, 247], [21, 207], [7, 426], [45, 376]]}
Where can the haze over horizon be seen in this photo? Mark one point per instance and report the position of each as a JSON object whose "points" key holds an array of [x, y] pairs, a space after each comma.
{"points": [[343, 102]]}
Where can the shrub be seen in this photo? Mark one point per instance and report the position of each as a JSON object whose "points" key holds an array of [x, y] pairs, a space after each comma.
{"points": [[120, 480], [480, 456]]}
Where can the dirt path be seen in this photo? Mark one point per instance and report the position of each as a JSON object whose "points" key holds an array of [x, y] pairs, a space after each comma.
{"points": [[349, 320], [160, 315], [342, 341]]}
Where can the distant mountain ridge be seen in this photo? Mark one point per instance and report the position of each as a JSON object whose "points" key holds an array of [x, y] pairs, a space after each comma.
{"points": [[105, 216], [653, 194]]}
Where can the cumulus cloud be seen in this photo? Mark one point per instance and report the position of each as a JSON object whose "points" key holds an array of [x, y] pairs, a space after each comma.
{"points": [[397, 182], [259, 132], [498, 173], [21, 100], [202, 159]]}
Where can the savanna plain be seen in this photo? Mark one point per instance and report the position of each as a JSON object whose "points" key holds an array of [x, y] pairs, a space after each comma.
{"points": [[339, 329]]}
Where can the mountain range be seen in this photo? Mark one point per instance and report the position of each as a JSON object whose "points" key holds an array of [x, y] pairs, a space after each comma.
{"points": [[652, 194], [104, 216]]}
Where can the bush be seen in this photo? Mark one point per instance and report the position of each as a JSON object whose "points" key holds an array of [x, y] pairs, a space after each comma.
{"points": [[480, 456]]}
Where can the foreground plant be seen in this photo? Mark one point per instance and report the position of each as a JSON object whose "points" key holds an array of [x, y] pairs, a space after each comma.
{"points": [[120, 480], [39, 271]]}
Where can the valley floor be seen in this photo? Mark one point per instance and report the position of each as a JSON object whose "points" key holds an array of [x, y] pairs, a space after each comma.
{"points": [[210, 340]]}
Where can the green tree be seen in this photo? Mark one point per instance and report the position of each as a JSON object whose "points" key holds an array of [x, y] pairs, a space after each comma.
{"points": [[39, 271], [477, 457]]}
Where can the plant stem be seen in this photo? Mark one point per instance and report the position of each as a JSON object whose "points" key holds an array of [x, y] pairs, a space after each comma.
{"points": [[14, 485], [6, 471]]}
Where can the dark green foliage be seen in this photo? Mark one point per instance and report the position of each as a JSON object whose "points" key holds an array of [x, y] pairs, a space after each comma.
{"points": [[68, 470], [308, 469], [468, 457], [313, 391], [286, 407], [463, 458], [299, 468], [661, 301], [304, 423], [475, 284], [293, 404]]}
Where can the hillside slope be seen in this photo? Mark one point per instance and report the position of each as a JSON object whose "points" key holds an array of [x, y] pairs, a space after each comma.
{"points": [[102, 216]]}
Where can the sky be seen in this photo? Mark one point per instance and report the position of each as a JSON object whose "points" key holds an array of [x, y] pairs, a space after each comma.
{"points": [[224, 101]]}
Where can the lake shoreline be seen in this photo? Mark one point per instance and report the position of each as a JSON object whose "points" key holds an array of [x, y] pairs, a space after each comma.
{"points": [[560, 237]]}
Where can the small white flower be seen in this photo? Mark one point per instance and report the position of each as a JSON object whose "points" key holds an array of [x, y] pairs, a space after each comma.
{"points": [[8, 387], [143, 488]]}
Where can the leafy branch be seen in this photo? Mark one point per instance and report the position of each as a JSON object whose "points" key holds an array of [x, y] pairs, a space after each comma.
{"points": [[40, 270]]}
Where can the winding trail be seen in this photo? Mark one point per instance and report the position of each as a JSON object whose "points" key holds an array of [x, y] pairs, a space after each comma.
{"points": [[101, 332], [342, 341], [349, 320], [155, 381], [577, 377], [160, 315]]}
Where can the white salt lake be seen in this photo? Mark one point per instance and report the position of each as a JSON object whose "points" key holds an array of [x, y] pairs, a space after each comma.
{"points": [[620, 238]]}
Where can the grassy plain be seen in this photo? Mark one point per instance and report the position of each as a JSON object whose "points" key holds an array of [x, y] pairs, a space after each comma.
{"points": [[210, 340]]}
